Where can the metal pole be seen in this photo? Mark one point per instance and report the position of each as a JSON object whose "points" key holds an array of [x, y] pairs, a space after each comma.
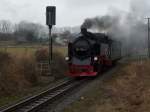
{"points": [[50, 45], [50, 48], [148, 38]]}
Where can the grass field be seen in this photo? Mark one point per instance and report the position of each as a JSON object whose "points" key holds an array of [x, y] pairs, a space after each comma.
{"points": [[23, 50]]}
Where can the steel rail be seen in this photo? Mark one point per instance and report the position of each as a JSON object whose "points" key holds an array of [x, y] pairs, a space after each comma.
{"points": [[39, 101]]}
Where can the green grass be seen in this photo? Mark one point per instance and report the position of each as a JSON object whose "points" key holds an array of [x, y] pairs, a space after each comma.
{"points": [[31, 50], [7, 100], [19, 50]]}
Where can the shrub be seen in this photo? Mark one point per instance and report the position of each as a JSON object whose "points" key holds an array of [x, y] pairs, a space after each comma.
{"points": [[16, 74], [28, 69], [58, 63], [42, 54]]}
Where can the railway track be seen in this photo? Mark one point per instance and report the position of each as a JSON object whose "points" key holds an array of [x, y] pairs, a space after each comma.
{"points": [[37, 102]]}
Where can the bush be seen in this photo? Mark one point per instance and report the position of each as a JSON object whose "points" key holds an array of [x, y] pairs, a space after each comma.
{"points": [[58, 64], [28, 69], [5, 58], [42, 54], [16, 74]]}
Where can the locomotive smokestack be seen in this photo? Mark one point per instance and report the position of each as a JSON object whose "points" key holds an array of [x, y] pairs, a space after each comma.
{"points": [[83, 30]]}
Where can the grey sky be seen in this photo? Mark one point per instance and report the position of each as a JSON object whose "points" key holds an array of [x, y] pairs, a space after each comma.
{"points": [[69, 12]]}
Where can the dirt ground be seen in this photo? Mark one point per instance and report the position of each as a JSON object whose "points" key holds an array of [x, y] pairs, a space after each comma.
{"points": [[128, 90]]}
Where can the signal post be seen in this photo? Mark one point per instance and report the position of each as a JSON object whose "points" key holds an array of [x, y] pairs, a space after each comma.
{"points": [[50, 21]]}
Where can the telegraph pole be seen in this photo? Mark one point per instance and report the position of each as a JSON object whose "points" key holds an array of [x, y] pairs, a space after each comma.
{"points": [[148, 29]]}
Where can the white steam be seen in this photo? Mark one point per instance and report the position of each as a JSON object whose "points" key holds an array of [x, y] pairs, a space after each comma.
{"points": [[128, 27]]}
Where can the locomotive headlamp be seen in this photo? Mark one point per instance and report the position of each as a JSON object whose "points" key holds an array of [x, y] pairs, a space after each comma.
{"points": [[95, 58], [67, 58]]}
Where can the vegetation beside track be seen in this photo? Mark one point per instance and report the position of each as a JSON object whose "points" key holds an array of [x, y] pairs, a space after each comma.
{"points": [[29, 50], [127, 91], [18, 74]]}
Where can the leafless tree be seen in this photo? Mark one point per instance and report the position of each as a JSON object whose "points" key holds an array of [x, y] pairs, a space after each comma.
{"points": [[29, 31], [6, 26]]}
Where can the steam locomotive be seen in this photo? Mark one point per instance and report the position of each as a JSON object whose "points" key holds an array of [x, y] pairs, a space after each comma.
{"points": [[90, 53]]}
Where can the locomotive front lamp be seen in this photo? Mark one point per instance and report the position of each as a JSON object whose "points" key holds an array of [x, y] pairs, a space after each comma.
{"points": [[95, 58], [67, 58]]}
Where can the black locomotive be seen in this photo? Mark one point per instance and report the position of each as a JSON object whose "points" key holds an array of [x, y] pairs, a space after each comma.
{"points": [[89, 53]]}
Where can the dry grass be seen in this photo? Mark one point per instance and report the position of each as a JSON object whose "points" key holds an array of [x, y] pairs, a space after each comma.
{"points": [[25, 50], [127, 91], [17, 73], [59, 66], [18, 70], [131, 87]]}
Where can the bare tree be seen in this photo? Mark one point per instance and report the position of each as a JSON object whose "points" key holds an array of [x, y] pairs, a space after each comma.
{"points": [[6, 26], [29, 31]]}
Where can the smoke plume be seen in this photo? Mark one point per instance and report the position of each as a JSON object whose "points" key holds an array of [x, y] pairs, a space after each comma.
{"points": [[100, 23], [128, 27]]}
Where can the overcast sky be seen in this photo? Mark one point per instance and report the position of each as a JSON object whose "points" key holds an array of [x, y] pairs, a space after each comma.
{"points": [[69, 12]]}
